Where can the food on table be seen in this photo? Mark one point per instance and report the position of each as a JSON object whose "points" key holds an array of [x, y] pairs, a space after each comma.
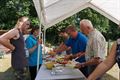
{"points": [[61, 61], [52, 53], [49, 65], [71, 64]]}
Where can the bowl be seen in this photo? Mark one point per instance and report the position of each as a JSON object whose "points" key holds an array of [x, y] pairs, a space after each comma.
{"points": [[49, 65]]}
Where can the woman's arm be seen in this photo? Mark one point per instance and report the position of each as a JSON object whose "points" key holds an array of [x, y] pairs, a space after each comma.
{"points": [[105, 65], [31, 50]]}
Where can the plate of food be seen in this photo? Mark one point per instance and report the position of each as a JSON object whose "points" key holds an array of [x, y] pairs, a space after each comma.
{"points": [[52, 53], [71, 64], [61, 60]]}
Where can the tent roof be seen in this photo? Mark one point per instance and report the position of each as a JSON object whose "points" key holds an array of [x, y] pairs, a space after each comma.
{"points": [[54, 11]]}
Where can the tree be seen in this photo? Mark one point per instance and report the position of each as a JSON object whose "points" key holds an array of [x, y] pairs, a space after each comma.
{"points": [[99, 21], [11, 10]]}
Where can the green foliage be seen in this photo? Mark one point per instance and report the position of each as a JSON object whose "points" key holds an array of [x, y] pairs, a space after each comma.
{"points": [[52, 33], [113, 31], [99, 21], [104, 25], [11, 10]]}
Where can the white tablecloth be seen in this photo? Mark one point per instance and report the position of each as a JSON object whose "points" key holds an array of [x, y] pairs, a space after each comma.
{"points": [[45, 74]]}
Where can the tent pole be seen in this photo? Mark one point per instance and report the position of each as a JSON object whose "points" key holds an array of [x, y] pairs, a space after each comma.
{"points": [[41, 14], [38, 56], [44, 40]]}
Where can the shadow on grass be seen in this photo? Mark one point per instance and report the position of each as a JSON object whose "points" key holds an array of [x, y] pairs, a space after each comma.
{"points": [[108, 77], [7, 75]]}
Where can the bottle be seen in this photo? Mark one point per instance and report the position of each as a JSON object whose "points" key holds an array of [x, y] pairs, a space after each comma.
{"points": [[26, 52]]}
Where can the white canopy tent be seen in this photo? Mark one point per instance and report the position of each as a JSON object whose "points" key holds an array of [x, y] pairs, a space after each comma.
{"points": [[50, 12], [54, 11]]}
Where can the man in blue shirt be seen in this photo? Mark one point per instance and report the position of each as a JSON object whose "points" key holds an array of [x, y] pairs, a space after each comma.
{"points": [[77, 42], [65, 38]]}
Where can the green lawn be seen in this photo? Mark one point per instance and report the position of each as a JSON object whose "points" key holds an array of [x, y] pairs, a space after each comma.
{"points": [[6, 72]]}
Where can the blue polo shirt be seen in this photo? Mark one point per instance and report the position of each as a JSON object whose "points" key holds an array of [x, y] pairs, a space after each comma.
{"points": [[78, 44], [31, 41]]}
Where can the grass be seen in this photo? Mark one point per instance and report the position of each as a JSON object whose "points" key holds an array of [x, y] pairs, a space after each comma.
{"points": [[6, 72]]}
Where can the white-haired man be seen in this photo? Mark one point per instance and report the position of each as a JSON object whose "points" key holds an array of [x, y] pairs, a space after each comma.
{"points": [[95, 50]]}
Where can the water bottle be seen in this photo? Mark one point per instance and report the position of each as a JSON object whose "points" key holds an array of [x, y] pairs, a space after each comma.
{"points": [[26, 52]]}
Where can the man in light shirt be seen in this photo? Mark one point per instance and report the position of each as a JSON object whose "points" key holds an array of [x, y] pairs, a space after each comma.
{"points": [[95, 50]]}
